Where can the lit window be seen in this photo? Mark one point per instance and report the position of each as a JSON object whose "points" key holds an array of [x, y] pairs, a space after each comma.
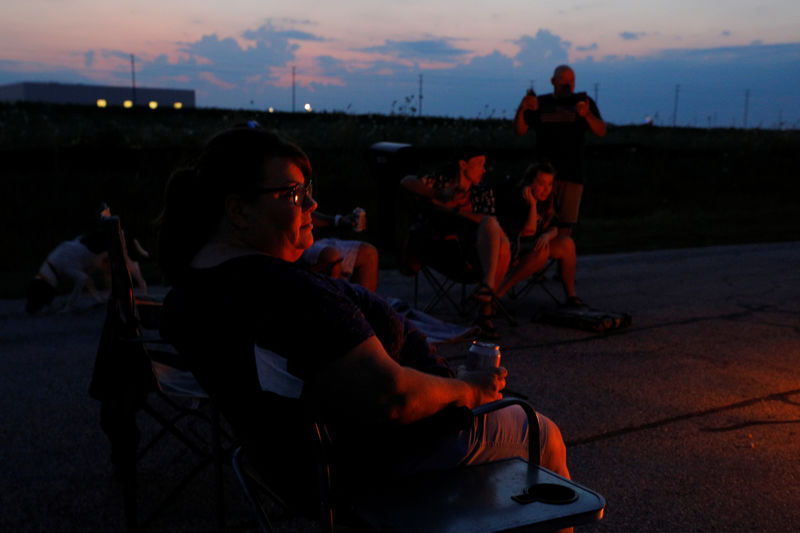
{"points": [[127, 104], [101, 102], [177, 105], [153, 104]]}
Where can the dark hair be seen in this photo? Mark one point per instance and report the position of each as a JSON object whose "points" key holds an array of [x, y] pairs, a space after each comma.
{"points": [[534, 169], [232, 162]]}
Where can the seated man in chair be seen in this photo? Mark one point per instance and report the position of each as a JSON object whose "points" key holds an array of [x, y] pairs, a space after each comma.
{"points": [[356, 261], [270, 340], [531, 219], [467, 209]]}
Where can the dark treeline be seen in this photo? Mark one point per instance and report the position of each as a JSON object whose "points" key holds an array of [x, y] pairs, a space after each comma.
{"points": [[647, 188]]}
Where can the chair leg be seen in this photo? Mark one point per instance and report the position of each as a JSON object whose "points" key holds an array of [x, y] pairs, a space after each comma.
{"points": [[216, 439]]}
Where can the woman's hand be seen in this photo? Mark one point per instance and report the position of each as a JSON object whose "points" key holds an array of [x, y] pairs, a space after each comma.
{"points": [[486, 384]]}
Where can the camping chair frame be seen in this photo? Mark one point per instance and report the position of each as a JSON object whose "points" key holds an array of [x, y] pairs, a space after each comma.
{"points": [[134, 371], [404, 504]]}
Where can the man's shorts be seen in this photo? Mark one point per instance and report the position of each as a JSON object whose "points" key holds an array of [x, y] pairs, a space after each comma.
{"points": [[567, 197]]}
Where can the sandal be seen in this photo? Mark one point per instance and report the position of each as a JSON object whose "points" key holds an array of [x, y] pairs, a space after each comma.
{"points": [[573, 302], [487, 329]]}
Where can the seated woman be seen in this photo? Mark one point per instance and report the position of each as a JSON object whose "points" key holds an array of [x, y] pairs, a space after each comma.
{"points": [[470, 213], [356, 261], [537, 237], [271, 341]]}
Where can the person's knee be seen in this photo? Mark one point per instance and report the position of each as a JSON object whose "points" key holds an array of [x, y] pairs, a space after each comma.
{"points": [[329, 254], [367, 255], [553, 455]]}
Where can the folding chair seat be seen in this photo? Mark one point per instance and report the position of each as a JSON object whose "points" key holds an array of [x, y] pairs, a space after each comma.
{"points": [[507, 495], [537, 279], [138, 371], [449, 265]]}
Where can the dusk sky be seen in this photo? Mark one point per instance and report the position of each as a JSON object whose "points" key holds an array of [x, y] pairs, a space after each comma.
{"points": [[476, 58]]}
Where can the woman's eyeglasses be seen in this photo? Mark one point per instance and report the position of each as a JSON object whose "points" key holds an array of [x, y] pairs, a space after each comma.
{"points": [[297, 193]]}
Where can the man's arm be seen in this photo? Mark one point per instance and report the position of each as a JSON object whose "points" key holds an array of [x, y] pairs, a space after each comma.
{"points": [[528, 103], [595, 123]]}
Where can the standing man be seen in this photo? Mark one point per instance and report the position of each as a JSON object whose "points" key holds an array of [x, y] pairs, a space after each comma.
{"points": [[560, 121]]}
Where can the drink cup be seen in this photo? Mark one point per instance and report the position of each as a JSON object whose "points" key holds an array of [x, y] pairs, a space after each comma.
{"points": [[361, 219], [483, 355]]}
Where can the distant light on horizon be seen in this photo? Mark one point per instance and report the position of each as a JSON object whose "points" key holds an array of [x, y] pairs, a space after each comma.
{"points": [[271, 110], [101, 103], [153, 104], [307, 107], [127, 104]]}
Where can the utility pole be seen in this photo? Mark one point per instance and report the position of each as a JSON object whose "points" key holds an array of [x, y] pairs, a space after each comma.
{"points": [[746, 104], [675, 108], [419, 113], [133, 81], [293, 87]]}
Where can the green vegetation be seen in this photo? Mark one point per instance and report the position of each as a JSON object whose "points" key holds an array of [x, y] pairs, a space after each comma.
{"points": [[648, 187]]}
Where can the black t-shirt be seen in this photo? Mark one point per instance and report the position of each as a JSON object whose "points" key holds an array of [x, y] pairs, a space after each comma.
{"points": [[560, 134], [219, 317]]}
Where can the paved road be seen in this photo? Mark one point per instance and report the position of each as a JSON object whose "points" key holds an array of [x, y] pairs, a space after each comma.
{"points": [[686, 421]]}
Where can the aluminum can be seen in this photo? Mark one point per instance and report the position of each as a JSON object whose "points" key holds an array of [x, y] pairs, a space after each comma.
{"points": [[361, 219], [483, 355]]}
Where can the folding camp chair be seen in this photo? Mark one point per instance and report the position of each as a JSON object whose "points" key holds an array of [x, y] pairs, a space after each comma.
{"points": [[507, 495], [538, 279], [447, 263], [136, 371]]}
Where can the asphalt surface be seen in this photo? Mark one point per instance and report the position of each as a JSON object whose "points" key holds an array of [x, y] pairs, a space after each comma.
{"points": [[687, 420]]}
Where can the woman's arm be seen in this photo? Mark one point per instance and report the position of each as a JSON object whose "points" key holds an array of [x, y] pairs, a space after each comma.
{"points": [[367, 383]]}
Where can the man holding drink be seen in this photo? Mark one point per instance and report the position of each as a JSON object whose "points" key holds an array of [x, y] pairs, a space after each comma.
{"points": [[560, 121]]}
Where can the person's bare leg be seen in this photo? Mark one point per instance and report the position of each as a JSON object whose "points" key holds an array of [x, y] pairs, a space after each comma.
{"points": [[528, 265], [489, 242], [365, 269], [329, 262], [503, 261], [563, 249]]}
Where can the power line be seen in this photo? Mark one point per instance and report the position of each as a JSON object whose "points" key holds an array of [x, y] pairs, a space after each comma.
{"points": [[746, 105], [675, 108], [420, 96]]}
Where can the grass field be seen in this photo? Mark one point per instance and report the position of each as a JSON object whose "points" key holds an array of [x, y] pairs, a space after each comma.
{"points": [[647, 187]]}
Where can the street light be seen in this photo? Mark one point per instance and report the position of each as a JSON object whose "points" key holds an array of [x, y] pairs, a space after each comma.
{"points": [[101, 102], [177, 105], [153, 104], [127, 104], [307, 107]]}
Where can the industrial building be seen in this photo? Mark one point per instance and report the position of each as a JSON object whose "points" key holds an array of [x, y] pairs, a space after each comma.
{"points": [[96, 95]]}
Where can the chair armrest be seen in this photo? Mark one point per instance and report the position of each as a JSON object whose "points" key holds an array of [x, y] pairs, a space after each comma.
{"points": [[533, 422]]}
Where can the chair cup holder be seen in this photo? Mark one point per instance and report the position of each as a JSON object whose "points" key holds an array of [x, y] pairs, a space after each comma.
{"points": [[549, 493]]}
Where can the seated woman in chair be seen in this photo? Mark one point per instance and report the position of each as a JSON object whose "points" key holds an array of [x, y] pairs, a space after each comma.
{"points": [[270, 340], [470, 214], [356, 261], [537, 238]]}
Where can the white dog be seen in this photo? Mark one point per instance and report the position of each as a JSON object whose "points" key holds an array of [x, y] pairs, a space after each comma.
{"points": [[70, 260]]}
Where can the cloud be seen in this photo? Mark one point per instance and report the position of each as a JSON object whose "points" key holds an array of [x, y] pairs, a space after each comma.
{"points": [[426, 49], [632, 35], [588, 48], [235, 71], [544, 48]]}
